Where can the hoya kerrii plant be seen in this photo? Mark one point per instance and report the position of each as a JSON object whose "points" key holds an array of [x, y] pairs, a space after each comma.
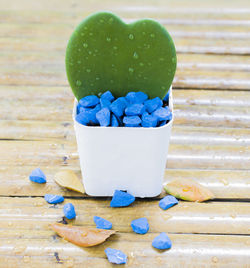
{"points": [[105, 53]]}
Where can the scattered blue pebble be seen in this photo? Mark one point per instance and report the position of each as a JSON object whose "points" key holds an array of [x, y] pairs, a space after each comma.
{"points": [[69, 211], [140, 226], [114, 121], [167, 202], [102, 223], [121, 199], [37, 176], [166, 98], [149, 120], [135, 109], [53, 199], [105, 103], [103, 117], [131, 120], [152, 105], [162, 123], [116, 256], [163, 113], [162, 241], [118, 106], [108, 96], [136, 97], [89, 101]]}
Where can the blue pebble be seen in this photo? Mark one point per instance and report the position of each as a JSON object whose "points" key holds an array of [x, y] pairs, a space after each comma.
{"points": [[116, 256], [132, 125], [162, 123], [108, 96], [37, 176], [88, 115], [105, 103], [162, 241], [131, 120], [118, 106], [136, 97], [152, 105], [102, 223], [121, 199], [163, 113], [103, 117], [114, 121], [53, 199], [140, 226], [167, 202], [135, 109], [89, 101], [149, 120], [69, 211], [166, 98]]}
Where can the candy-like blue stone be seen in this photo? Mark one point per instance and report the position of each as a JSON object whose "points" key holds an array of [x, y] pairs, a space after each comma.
{"points": [[37, 176], [102, 223], [162, 241], [167, 202], [53, 199], [69, 211], [103, 117], [121, 199], [89, 101], [140, 226], [116, 256]]}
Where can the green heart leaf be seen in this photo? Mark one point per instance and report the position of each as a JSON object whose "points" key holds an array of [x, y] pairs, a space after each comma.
{"points": [[104, 53]]}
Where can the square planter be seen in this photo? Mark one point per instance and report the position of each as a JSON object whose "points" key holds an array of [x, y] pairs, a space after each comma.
{"points": [[123, 158]]}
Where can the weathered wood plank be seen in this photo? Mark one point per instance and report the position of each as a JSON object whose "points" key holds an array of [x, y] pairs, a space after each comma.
{"points": [[25, 232], [194, 108], [42, 153], [225, 184], [186, 217], [206, 251]]}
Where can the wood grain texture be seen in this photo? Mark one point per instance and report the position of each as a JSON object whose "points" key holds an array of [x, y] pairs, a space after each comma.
{"points": [[225, 184], [210, 137]]}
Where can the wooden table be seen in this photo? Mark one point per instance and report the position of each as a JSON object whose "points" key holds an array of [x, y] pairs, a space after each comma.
{"points": [[210, 139]]}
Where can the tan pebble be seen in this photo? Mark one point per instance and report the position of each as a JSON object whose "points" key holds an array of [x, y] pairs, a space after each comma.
{"points": [[26, 259], [233, 215], [10, 223], [215, 259]]}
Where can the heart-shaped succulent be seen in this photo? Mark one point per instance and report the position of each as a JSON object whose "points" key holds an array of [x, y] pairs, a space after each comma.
{"points": [[104, 53]]}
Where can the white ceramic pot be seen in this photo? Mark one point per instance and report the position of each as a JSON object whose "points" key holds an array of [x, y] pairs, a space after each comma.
{"points": [[123, 158]]}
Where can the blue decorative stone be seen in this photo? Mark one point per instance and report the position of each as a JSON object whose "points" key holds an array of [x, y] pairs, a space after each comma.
{"points": [[116, 256], [167, 202], [108, 96], [89, 101], [121, 199], [118, 106], [152, 105], [136, 97], [162, 123], [163, 113], [53, 199], [105, 103], [103, 117], [69, 211], [114, 121], [87, 116], [149, 120], [166, 98], [102, 223], [131, 125], [140, 226], [162, 241], [131, 120], [135, 109], [37, 176]]}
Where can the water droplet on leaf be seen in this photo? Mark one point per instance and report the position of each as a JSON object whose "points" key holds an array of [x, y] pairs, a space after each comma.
{"points": [[131, 36], [115, 47], [152, 35], [131, 70], [78, 82], [79, 62], [135, 56], [141, 64], [88, 70], [85, 45], [108, 39]]}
